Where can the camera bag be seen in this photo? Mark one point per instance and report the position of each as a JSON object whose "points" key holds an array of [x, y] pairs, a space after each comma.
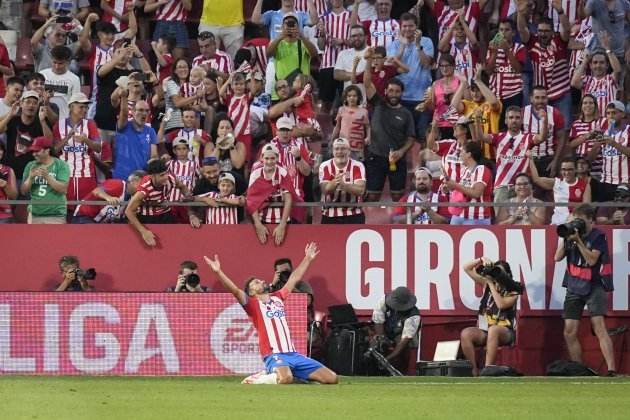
{"points": [[568, 368]]}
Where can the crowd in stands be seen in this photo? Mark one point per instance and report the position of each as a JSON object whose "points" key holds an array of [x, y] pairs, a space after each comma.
{"points": [[431, 101]]}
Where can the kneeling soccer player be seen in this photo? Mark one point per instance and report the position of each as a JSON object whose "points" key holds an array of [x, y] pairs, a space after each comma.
{"points": [[282, 362]]}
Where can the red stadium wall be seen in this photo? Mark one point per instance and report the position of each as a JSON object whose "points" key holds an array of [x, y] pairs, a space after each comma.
{"points": [[357, 264]]}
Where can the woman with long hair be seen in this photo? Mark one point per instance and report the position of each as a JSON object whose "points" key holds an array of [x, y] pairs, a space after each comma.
{"points": [[583, 134]]}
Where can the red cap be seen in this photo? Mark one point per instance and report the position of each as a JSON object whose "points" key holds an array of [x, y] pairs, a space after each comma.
{"points": [[40, 143]]}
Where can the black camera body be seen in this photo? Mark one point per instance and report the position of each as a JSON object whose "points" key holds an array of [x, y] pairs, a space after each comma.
{"points": [[87, 274], [567, 229], [193, 280], [500, 277]]}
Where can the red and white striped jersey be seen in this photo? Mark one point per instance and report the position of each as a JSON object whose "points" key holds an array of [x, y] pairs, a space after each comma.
{"points": [[271, 214], [354, 171], [531, 124], [615, 165], [287, 160], [571, 8], [445, 16], [189, 90], [481, 174], [221, 62], [186, 172], [580, 127], [220, 215], [164, 71], [98, 57], [508, 8], [154, 197], [76, 154], [511, 156], [173, 11], [452, 164], [336, 26], [550, 64], [120, 7], [465, 59], [604, 89], [584, 36], [197, 139], [260, 51], [269, 319], [504, 81], [238, 111], [381, 33], [563, 192], [423, 218], [302, 6]]}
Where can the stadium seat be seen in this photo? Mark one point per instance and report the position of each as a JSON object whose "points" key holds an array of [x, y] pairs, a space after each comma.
{"points": [[24, 55]]}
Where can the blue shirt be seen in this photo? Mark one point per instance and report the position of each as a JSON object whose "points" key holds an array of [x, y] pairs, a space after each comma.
{"points": [[418, 79], [132, 149], [272, 19]]}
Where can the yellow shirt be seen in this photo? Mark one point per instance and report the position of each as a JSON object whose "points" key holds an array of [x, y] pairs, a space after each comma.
{"points": [[222, 12], [490, 121]]}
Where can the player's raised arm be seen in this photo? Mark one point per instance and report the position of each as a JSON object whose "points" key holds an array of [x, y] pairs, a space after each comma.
{"points": [[310, 252], [215, 265]]}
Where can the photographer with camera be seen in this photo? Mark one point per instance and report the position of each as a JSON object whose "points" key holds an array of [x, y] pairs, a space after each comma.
{"points": [[188, 280], [497, 310], [587, 279], [396, 325], [74, 279]]}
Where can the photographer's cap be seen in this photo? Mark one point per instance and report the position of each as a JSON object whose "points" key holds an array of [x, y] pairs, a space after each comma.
{"points": [[290, 15], [40, 143], [79, 97], [180, 141], [401, 299], [226, 176], [618, 105], [29, 94]]}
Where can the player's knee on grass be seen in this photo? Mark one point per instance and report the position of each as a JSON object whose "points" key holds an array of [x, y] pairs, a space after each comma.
{"points": [[324, 376], [285, 376]]}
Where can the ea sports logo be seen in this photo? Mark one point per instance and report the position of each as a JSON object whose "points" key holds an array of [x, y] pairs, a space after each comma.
{"points": [[234, 341]]}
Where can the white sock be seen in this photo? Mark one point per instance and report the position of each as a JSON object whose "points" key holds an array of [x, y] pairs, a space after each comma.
{"points": [[269, 379]]}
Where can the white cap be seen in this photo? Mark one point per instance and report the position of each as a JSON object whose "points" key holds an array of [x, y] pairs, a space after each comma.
{"points": [[227, 177], [340, 141], [29, 94], [269, 148], [284, 122], [79, 97], [180, 141]]}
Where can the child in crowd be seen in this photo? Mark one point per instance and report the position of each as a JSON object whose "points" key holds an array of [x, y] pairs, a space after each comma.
{"points": [[186, 171], [199, 141], [303, 87], [194, 84], [238, 103], [163, 49], [383, 68], [227, 214], [353, 122]]}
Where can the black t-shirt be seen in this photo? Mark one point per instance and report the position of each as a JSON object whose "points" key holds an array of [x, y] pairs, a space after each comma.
{"points": [[390, 127], [19, 138], [106, 115]]}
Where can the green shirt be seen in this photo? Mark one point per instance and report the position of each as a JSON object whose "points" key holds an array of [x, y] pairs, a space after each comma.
{"points": [[287, 61], [41, 191]]}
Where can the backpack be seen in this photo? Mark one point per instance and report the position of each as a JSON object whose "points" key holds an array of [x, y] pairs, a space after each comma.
{"points": [[494, 370], [568, 368]]}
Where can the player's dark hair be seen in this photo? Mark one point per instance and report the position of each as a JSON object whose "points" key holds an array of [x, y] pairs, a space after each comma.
{"points": [[247, 283]]}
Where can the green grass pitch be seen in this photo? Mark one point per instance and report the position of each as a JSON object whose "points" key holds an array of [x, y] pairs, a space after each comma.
{"points": [[383, 398]]}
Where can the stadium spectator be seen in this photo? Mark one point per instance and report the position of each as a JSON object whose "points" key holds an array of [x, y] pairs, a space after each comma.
{"points": [[135, 142], [54, 34], [610, 16], [342, 180], [475, 186], [584, 172], [599, 82], [449, 11], [211, 57], [461, 43], [416, 52], [294, 154], [568, 189], [352, 59], [175, 100], [291, 50], [274, 19], [383, 68], [136, 91], [186, 171], [229, 151], [73, 278], [587, 279], [238, 101], [525, 214], [383, 30], [333, 31], [12, 94], [614, 149], [259, 106], [549, 57], [46, 180], [171, 17], [24, 122], [270, 183], [77, 9], [397, 321], [61, 80], [8, 187], [547, 154], [512, 148], [120, 13], [504, 63], [497, 311], [449, 149], [222, 204], [163, 48], [586, 131], [426, 212], [619, 215], [37, 82], [115, 192], [188, 280], [199, 141], [6, 67], [225, 20], [145, 206], [353, 122]]}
